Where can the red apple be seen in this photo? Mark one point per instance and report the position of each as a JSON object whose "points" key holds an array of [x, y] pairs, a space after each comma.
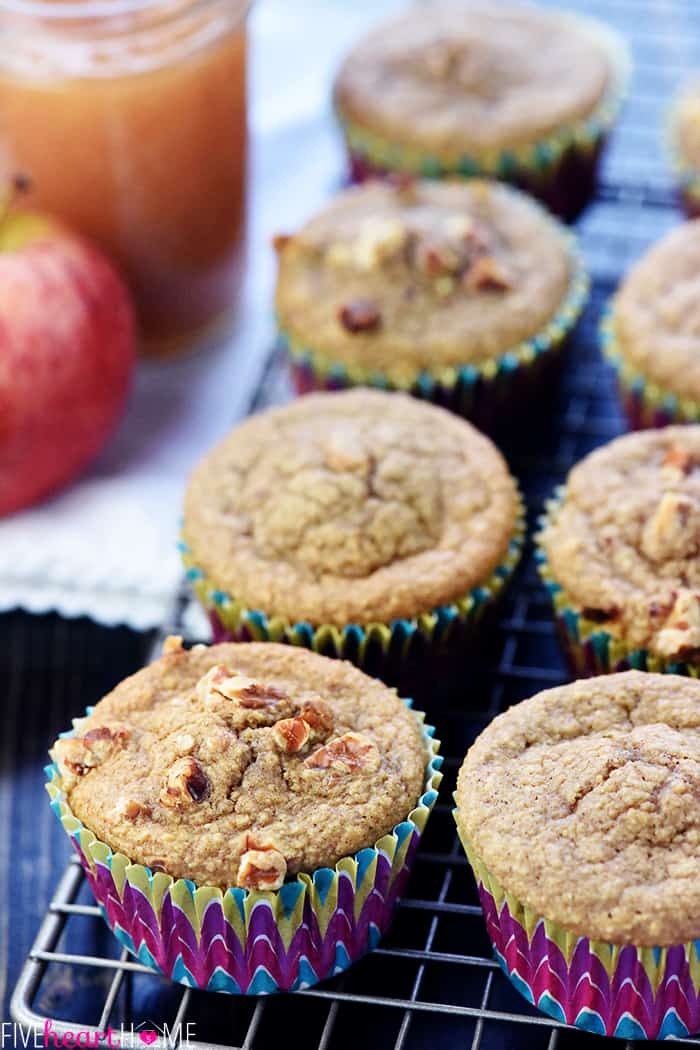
{"points": [[67, 351]]}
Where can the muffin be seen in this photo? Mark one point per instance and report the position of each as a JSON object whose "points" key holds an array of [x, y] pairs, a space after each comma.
{"points": [[246, 814], [684, 128], [510, 91], [651, 334], [363, 525], [459, 293], [619, 554], [578, 813]]}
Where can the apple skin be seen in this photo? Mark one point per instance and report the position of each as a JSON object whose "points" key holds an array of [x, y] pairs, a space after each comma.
{"points": [[67, 353]]}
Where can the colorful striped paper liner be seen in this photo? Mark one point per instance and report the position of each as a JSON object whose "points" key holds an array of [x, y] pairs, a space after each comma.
{"points": [[537, 165], [610, 989], [645, 403], [590, 648], [246, 942], [383, 647], [485, 392]]}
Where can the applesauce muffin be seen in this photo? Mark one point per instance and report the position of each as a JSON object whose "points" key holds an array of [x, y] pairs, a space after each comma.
{"points": [[578, 811], [652, 332], [684, 132], [516, 92], [362, 524], [234, 769], [459, 293], [619, 553]]}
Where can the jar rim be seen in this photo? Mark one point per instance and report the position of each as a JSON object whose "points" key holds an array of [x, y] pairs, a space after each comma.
{"points": [[50, 11]]}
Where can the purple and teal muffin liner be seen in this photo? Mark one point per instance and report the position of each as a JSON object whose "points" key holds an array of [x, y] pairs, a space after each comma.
{"points": [[591, 648], [492, 393], [644, 402], [560, 169], [617, 990], [383, 650], [247, 942]]}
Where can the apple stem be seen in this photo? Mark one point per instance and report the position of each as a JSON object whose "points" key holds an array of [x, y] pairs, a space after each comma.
{"points": [[19, 184]]}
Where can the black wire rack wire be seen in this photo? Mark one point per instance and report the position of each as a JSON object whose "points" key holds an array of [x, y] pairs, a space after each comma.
{"points": [[433, 981]]}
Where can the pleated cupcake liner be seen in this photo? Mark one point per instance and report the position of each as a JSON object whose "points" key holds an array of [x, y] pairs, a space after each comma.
{"points": [[383, 650], [645, 403], [560, 169], [589, 648], [246, 942], [490, 393], [617, 990]]}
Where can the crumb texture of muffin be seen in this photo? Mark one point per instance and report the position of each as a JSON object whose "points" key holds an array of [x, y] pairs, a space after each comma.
{"points": [[456, 79], [624, 542], [422, 275], [582, 802], [656, 314], [243, 764], [357, 507]]}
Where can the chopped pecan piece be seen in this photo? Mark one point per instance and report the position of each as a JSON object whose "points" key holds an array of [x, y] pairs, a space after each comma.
{"points": [[348, 753], [486, 275], [77, 755], [220, 681], [173, 644], [130, 809], [435, 257], [184, 783], [291, 734], [262, 869], [681, 633], [678, 458], [673, 530], [319, 717], [360, 315]]}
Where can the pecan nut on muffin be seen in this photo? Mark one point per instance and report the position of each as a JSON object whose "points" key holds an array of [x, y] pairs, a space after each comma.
{"points": [[578, 812], [459, 293], [684, 133], [364, 525], [246, 814], [516, 92], [651, 333], [620, 555]]}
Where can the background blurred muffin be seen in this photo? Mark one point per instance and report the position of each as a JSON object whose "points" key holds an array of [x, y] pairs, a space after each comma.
{"points": [[684, 133], [365, 525], [460, 293], [520, 93]]}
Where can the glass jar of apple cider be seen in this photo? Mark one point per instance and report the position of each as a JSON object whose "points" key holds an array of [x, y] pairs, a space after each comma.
{"points": [[128, 118]]}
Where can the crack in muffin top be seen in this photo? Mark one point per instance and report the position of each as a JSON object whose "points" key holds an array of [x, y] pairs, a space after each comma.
{"points": [[243, 764], [351, 508], [583, 802], [656, 313], [453, 79], [625, 541], [422, 275]]}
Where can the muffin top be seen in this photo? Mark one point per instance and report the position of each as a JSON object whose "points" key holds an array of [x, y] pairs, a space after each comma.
{"points": [[625, 541], [656, 315], [422, 275], [686, 124], [350, 508], [582, 802], [242, 764], [454, 79]]}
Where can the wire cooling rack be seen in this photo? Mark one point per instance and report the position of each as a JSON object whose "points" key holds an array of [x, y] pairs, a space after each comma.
{"points": [[433, 981]]}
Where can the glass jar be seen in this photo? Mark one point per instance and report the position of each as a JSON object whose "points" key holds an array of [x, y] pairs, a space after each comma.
{"points": [[129, 119]]}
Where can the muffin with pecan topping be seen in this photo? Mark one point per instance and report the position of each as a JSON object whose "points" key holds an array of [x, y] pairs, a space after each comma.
{"points": [[219, 774], [517, 92], [578, 811], [460, 293], [620, 555], [361, 524], [652, 332]]}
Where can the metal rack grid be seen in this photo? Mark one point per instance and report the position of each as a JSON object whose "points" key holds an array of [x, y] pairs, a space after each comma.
{"points": [[433, 981]]}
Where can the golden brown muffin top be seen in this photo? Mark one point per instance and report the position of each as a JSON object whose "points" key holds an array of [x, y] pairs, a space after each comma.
{"points": [[422, 275], [350, 507], [583, 803], [241, 764], [625, 542], [656, 313], [454, 79]]}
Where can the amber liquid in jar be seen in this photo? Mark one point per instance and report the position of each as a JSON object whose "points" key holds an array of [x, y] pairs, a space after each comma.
{"points": [[129, 119]]}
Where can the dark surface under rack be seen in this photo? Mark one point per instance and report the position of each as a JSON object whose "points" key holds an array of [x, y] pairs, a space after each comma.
{"points": [[433, 982]]}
